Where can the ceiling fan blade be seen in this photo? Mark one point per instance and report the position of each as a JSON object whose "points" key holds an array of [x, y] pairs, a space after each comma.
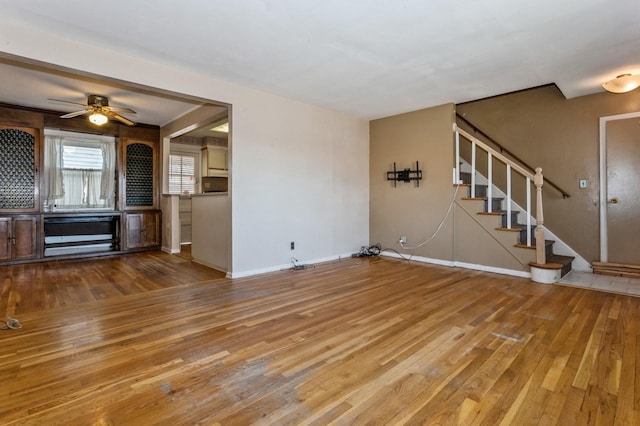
{"points": [[66, 102], [121, 109], [74, 114], [119, 118]]}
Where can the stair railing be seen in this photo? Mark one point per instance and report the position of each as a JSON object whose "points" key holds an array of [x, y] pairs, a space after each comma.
{"points": [[536, 178], [504, 150]]}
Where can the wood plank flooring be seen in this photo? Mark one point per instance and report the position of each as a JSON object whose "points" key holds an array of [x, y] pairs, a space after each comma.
{"points": [[155, 339]]}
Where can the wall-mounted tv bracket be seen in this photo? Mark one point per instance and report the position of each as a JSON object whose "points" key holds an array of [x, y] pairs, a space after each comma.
{"points": [[405, 175]]}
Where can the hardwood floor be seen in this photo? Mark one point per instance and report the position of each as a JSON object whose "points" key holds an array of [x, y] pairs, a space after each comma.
{"points": [[155, 339]]}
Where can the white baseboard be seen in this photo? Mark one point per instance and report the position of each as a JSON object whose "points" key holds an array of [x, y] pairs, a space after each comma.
{"points": [[170, 251], [441, 262], [286, 266], [456, 264]]}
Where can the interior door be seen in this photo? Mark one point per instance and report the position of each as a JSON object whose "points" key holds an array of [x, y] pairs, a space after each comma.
{"points": [[623, 190]]}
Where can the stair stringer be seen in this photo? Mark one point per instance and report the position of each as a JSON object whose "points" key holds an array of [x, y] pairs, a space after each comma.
{"points": [[560, 247]]}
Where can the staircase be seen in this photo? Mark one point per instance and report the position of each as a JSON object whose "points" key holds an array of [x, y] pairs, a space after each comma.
{"points": [[518, 230]]}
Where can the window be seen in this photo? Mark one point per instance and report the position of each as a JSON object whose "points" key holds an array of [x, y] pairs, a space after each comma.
{"points": [[79, 171], [182, 173]]}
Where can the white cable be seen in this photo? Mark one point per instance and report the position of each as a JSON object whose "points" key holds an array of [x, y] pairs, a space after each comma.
{"points": [[453, 199]]}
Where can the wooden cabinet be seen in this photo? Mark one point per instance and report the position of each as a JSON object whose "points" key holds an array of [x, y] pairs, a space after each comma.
{"points": [[19, 186], [18, 237], [19, 161], [139, 175], [29, 234], [215, 161], [139, 194], [142, 230]]}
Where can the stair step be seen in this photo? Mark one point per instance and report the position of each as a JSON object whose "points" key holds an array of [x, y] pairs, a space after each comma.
{"points": [[465, 177], [547, 243], [496, 204], [481, 190], [503, 214], [512, 229], [616, 269], [565, 261], [548, 247]]}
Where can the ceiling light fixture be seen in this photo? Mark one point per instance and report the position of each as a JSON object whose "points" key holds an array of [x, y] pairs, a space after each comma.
{"points": [[622, 84], [98, 118]]}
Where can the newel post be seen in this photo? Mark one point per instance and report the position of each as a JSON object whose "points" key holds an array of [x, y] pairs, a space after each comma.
{"points": [[540, 243]]}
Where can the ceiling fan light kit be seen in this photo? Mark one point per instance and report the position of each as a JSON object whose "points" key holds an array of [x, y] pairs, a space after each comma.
{"points": [[622, 84], [98, 118], [100, 111]]}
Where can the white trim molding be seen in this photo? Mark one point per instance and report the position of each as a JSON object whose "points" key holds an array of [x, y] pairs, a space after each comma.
{"points": [[464, 265], [604, 252]]}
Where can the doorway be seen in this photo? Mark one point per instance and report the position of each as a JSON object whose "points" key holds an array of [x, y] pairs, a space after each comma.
{"points": [[619, 183]]}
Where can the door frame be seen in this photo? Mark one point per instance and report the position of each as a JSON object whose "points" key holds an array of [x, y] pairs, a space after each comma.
{"points": [[604, 251]]}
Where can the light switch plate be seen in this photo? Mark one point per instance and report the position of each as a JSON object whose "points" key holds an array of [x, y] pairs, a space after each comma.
{"points": [[583, 183]]}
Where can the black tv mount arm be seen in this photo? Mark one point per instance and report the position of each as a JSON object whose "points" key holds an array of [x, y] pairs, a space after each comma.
{"points": [[405, 175]]}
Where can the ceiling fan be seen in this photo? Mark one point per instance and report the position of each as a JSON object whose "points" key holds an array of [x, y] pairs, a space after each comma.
{"points": [[100, 111]]}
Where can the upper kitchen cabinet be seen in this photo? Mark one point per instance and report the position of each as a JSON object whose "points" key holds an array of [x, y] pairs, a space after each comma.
{"points": [[139, 187], [215, 161]]}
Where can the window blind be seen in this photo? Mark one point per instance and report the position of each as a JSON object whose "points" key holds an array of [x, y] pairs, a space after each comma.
{"points": [[182, 173]]}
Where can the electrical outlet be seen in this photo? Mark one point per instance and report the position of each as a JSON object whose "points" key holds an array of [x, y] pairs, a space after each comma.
{"points": [[403, 239], [293, 245]]}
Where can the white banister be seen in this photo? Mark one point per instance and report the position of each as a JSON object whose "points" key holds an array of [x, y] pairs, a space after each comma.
{"points": [[457, 176], [540, 244], [473, 169], [528, 211], [530, 177], [508, 196], [490, 181]]}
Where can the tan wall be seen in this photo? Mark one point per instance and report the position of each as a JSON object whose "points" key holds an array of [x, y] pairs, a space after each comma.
{"points": [[561, 136], [424, 136], [210, 217]]}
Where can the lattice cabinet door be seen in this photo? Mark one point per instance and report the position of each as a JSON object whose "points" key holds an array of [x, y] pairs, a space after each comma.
{"points": [[19, 169], [139, 189]]}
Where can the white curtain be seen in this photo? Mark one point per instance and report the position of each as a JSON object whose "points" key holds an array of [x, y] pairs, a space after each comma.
{"points": [[88, 180], [53, 166], [108, 178], [74, 189], [94, 183]]}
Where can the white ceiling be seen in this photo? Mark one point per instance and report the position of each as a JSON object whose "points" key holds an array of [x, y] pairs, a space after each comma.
{"points": [[368, 58], [34, 86]]}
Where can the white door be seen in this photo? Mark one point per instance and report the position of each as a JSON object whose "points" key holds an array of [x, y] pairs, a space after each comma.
{"points": [[621, 198]]}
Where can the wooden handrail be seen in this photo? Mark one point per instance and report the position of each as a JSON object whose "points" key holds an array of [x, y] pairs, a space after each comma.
{"points": [[512, 155], [522, 170]]}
